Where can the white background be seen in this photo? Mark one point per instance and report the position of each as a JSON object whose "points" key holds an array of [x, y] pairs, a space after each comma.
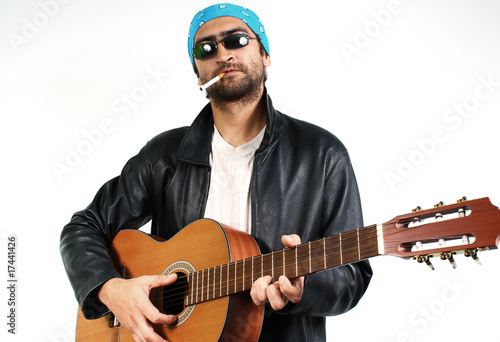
{"points": [[386, 77]]}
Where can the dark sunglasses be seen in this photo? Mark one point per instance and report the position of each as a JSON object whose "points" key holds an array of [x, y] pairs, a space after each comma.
{"points": [[232, 42]]}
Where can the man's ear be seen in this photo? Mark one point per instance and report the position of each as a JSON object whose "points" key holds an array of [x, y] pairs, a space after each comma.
{"points": [[267, 60], [199, 82]]}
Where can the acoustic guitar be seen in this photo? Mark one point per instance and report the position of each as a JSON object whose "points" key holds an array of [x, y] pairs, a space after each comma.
{"points": [[217, 265]]}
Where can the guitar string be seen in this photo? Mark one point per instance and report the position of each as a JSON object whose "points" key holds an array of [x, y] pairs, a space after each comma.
{"points": [[350, 243], [349, 239], [171, 296]]}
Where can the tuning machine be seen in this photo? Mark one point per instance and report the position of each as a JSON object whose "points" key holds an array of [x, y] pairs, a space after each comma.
{"points": [[449, 256], [472, 253], [416, 219], [440, 204], [426, 259]]}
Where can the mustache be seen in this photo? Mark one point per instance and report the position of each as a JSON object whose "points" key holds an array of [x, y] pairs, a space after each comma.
{"points": [[230, 66]]}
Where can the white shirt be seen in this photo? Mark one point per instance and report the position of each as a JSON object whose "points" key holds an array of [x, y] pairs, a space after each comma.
{"points": [[231, 175]]}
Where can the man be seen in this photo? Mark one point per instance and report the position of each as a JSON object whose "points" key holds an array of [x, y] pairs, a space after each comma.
{"points": [[242, 163]]}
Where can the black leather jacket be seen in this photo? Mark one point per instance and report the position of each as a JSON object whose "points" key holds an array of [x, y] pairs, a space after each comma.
{"points": [[302, 183]]}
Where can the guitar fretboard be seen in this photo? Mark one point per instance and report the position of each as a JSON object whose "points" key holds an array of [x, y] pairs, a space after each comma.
{"points": [[224, 280]]}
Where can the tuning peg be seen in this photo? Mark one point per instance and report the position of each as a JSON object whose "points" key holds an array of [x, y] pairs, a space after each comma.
{"points": [[463, 199], [416, 219], [426, 259], [440, 204], [461, 212], [449, 256], [473, 254]]}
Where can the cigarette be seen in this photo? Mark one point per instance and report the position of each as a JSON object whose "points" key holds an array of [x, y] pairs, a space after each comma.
{"points": [[212, 81]]}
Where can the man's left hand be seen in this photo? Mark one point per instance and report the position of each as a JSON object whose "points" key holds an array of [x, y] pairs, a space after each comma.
{"points": [[279, 293]]}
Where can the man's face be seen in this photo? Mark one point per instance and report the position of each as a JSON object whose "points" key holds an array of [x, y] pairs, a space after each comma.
{"points": [[244, 67]]}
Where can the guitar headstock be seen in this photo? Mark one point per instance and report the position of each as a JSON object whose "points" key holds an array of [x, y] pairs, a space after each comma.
{"points": [[466, 227]]}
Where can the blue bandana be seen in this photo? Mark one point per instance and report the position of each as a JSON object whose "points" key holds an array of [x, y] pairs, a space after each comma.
{"points": [[227, 10]]}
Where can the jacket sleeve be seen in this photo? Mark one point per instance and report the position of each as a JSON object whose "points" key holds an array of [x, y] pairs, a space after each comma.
{"points": [[121, 203], [337, 290]]}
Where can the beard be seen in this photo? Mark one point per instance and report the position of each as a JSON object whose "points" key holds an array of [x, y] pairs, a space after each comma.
{"points": [[243, 91]]}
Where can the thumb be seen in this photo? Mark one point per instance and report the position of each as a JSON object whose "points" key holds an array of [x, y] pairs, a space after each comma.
{"points": [[162, 279]]}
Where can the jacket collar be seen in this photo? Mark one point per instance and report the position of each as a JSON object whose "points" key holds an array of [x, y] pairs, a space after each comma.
{"points": [[195, 147]]}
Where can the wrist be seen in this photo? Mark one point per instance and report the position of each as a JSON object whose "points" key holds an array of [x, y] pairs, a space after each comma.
{"points": [[106, 289]]}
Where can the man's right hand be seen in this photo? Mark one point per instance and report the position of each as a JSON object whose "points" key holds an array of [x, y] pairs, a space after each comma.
{"points": [[129, 301]]}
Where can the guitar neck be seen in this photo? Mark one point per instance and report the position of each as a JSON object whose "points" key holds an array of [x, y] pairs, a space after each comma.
{"points": [[301, 260]]}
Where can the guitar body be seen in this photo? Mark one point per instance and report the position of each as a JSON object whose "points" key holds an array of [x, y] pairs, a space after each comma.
{"points": [[201, 245]]}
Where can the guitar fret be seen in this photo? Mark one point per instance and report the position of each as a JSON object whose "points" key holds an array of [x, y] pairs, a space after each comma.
{"points": [[324, 253], [220, 283], [296, 263], [272, 265], [192, 290], [186, 299], [309, 250], [190, 282], [202, 279], [252, 267], [214, 281], [359, 249], [197, 286], [227, 280], [261, 266], [340, 248], [284, 263], [208, 285], [235, 273]]}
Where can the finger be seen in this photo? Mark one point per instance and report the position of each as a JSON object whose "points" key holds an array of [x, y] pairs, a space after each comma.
{"points": [[258, 290], [148, 334], [290, 240], [292, 289], [160, 280], [139, 327], [159, 318], [276, 298], [153, 314]]}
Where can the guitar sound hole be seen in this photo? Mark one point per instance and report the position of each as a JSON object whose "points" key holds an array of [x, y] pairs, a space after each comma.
{"points": [[172, 297]]}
